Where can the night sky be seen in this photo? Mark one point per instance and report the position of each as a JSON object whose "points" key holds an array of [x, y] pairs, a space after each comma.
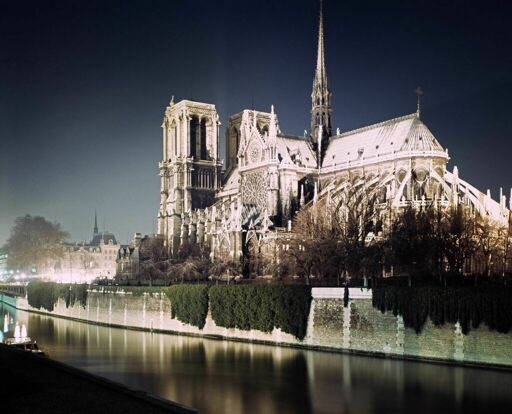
{"points": [[84, 84]]}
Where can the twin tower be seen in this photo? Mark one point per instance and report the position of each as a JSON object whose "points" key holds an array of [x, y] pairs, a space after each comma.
{"points": [[262, 173]]}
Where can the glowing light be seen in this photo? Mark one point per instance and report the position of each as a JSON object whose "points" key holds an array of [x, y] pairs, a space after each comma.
{"points": [[17, 332]]}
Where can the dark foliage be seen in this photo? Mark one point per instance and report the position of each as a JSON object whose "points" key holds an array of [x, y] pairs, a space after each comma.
{"points": [[33, 241], [345, 296], [262, 307], [44, 295], [468, 305], [73, 293], [189, 303]]}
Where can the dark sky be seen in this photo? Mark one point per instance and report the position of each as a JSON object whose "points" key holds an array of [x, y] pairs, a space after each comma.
{"points": [[83, 87]]}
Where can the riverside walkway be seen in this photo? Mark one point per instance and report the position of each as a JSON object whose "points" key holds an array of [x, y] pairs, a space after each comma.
{"points": [[34, 384]]}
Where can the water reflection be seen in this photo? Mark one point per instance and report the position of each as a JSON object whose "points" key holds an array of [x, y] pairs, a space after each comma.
{"points": [[229, 377]]}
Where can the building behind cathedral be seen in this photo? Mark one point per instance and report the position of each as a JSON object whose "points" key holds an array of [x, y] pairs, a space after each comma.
{"points": [[269, 175], [84, 262]]}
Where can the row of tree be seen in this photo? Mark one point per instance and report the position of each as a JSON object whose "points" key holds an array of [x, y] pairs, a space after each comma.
{"points": [[342, 238], [191, 263], [352, 237]]}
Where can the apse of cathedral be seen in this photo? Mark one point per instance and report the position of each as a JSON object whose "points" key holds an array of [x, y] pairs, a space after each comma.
{"points": [[268, 176]]}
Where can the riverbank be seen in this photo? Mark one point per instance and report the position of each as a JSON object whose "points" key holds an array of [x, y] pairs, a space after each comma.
{"points": [[33, 384], [358, 328]]}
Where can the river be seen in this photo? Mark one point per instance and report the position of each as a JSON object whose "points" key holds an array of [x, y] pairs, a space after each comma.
{"points": [[223, 377]]}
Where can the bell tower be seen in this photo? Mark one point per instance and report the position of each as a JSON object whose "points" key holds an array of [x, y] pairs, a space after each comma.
{"points": [[190, 170]]}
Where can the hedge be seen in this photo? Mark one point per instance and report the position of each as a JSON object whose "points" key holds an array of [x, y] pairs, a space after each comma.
{"points": [[189, 303], [468, 305], [261, 307], [44, 295]]}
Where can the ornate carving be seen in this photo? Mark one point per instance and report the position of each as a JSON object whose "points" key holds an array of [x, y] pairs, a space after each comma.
{"points": [[254, 189], [254, 152]]}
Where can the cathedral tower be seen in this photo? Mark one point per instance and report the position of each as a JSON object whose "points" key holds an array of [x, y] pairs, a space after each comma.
{"points": [[320, 96], [190, 168]]}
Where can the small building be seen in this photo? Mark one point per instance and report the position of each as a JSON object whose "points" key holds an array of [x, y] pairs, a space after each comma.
{"points": [[131, 258]]}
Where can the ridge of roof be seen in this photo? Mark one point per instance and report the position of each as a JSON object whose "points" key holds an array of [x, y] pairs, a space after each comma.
{"points": [[377, 125], [294, 137]]}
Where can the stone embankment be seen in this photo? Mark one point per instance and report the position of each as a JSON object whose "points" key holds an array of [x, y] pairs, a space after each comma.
{"points": [[358, 328]]}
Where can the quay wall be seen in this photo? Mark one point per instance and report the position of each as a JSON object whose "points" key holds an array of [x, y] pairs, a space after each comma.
{"points": [[357, 328]]}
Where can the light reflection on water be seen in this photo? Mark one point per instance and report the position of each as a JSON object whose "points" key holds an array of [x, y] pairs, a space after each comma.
{"points": [[228, 377]]}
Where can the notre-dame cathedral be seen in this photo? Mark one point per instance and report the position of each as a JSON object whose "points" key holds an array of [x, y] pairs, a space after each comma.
{"points": [[268, 175]]}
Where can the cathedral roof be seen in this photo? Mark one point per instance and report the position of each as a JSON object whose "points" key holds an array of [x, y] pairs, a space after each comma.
{"points": [[232, 180], [296, 150], [386, 139]]}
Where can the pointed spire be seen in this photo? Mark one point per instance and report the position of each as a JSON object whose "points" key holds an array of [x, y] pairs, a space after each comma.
{"points": [[95, 230], [320, 58], [272, 128], [320, 95]]}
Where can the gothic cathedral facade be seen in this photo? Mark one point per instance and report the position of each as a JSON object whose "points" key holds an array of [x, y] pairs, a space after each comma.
{"points": [[268, 176]]}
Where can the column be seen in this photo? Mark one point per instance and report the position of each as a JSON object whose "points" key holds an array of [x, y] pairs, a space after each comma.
{"points": [[165, 131]]}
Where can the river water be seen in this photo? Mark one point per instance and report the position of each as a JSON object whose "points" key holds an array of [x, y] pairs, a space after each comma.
{"points": [[222, 377]]}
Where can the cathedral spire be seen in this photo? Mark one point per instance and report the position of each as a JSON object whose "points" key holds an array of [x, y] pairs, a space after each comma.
{"points": [[320, 95], [95, 231], [320, 74]]}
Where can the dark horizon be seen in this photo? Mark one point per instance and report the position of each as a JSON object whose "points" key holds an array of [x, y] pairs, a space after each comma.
{"points": [[86, 85]]}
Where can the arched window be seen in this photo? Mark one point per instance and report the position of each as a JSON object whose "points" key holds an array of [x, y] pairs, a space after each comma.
{"points": [[193, 135], [203, 139], [237, 143], [175, 140]]}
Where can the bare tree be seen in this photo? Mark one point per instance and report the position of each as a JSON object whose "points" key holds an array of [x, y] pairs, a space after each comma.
{"points": [[459, 236], [489, 236], [331, 235]]}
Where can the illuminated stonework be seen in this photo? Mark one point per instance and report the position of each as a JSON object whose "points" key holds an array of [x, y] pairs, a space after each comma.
{"points": [[270, 175]]}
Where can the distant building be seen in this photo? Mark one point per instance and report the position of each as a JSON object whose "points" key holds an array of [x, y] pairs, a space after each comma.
{"points": [[130, 258], [84, 262]]}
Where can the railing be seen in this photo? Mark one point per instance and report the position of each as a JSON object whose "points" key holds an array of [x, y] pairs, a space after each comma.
{"points": [[17, 290], [382, 157]]}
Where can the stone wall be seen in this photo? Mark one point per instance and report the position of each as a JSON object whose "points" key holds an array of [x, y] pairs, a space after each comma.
{"points": [[355, 328]]}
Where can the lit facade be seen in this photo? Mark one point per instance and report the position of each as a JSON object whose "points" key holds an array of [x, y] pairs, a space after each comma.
{"points": [[270, 175]]}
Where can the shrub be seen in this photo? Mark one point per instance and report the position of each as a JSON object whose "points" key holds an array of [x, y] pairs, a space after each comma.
{"points": [[72, 293], [189, 303], [261, 307], [44, 295], [468, 305]]}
